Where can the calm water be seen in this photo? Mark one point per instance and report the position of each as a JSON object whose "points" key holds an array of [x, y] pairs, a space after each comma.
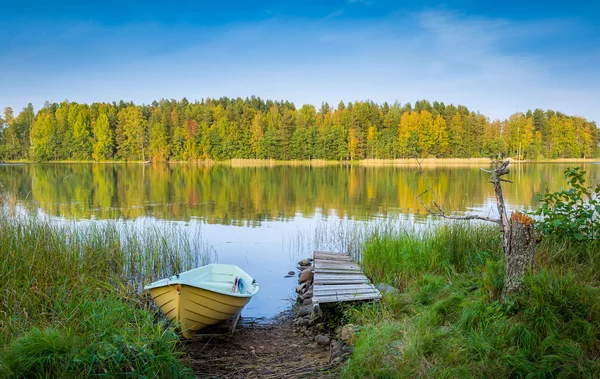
{"points": [[265, 218]]}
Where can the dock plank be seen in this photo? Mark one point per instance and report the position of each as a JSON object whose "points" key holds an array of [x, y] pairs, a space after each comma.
{"points": [[338, 278], [336, 299], [345, 287]]}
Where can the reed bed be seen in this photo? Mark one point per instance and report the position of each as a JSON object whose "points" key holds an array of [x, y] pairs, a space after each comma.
{"points": [[71, 304], [446, 319]]}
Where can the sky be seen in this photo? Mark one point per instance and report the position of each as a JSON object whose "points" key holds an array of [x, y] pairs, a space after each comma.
{"points": [[495, 57]]}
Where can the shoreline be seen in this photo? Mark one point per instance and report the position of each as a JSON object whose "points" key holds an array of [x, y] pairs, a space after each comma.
{"points": [[319, 162]]}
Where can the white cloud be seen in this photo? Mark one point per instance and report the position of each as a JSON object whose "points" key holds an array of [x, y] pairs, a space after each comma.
{"points": [[437, 55]]}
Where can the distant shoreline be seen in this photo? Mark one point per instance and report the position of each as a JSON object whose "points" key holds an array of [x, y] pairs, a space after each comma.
{"points": [[319, 162]]}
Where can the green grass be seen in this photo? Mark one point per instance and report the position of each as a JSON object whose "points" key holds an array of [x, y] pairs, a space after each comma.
{"points": [[70, 299], [447, 322]]}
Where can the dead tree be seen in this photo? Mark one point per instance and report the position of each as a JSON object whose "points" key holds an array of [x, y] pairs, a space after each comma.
{"points": [[518, 232]]}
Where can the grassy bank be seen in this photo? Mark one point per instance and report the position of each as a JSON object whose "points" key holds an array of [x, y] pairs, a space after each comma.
{"points": [[446, 321], [70, 302]]}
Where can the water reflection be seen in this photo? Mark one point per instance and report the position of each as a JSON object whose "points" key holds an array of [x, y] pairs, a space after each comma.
{"points": [[266, 218], [248, 196]]}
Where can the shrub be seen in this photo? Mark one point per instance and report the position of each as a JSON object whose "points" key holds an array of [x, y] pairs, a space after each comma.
{"points": [[573, 213]]}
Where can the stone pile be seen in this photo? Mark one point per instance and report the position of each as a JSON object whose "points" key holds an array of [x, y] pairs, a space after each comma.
{"points": [[309, 323]]}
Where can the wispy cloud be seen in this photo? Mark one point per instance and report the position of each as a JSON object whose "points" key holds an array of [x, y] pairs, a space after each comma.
{"points": [[495, 65]]}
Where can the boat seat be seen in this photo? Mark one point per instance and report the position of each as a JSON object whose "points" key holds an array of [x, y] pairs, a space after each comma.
{"points": [[221, 286]]}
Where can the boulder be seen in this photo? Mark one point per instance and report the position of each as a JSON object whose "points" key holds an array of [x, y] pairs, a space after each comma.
{"points": [[336, 349], [306, 276], [304, 262], [308, 294], [300, 287], [304, 310], [306, 302], [348, 332], [322, 339], [304, 321]]}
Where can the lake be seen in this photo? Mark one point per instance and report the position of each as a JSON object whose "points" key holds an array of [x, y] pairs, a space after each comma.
{"points": [[265, 219]]}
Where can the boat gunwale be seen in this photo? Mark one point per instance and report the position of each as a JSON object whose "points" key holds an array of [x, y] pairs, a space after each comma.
{"points": [[176, 281]]}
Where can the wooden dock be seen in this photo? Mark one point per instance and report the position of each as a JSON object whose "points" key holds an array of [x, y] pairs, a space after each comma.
{"points": [[338, 278]]}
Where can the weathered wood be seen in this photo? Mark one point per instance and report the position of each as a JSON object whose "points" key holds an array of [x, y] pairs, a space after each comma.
{"points": [[341, 281], [504, 223], [336, 299], [345, 292], [349, 276], [338, 278], [317, 288], [336, 271], [521, 252], [332, 256], [332, 288], [344, 265]]}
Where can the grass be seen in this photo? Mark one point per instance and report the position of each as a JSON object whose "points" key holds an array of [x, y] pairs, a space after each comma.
{"points": [[446, 320], [70, 299]]}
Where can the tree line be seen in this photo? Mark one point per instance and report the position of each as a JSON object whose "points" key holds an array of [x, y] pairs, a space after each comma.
{"points": [[252, 128]]}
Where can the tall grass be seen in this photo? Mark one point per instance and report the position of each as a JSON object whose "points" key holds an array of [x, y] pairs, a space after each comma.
{"points": [[447, 322], [70, 299]]}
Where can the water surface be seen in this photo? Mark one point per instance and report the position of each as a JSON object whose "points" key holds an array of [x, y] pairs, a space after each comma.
{"points": [[265, 218]]}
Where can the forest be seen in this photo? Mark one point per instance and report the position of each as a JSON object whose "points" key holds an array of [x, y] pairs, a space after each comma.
{"points": [[253, 128]]}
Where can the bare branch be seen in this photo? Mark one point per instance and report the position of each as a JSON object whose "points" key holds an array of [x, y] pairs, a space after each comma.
{"points": [[452, 217], [440, 210]]}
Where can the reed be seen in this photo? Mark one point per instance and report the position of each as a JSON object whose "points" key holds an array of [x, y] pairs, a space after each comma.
{"points": [[71, 301]]}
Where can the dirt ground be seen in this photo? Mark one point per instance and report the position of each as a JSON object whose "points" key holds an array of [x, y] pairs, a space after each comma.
{"points": [[274, 349]]}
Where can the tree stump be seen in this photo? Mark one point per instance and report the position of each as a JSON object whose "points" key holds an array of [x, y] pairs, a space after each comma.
{"points": [[521, 252]]}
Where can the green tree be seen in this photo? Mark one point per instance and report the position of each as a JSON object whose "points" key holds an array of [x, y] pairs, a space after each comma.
{"points": [[104, 140], [131, 134], [159, 146], [43, 137], [82, 138]]}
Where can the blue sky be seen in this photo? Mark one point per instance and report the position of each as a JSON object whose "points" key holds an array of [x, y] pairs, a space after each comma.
{"points": [[495, 57]]}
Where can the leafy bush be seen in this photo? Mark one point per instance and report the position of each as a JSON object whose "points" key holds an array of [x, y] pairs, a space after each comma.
{"points": [[573, 213]]}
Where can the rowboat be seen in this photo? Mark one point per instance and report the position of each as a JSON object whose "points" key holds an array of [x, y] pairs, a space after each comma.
{"points": [[203, 296]]}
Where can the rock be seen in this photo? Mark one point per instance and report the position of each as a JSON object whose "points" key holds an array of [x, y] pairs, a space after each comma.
{"points": [[304, 310], [308, 294], [338, 331], [291, 273], [303, 322], [347, 334], [304, 262], [336, 349], [386, 288], [306, 276], [300, 287], [322, 339], [310, 259], [307, 302]]}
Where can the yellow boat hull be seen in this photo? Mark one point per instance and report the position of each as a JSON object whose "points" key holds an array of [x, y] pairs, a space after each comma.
{"points": [[192, 308], [203, 296]]}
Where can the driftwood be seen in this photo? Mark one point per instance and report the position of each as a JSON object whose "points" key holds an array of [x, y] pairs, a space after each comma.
{"points": [[518, 233]]}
